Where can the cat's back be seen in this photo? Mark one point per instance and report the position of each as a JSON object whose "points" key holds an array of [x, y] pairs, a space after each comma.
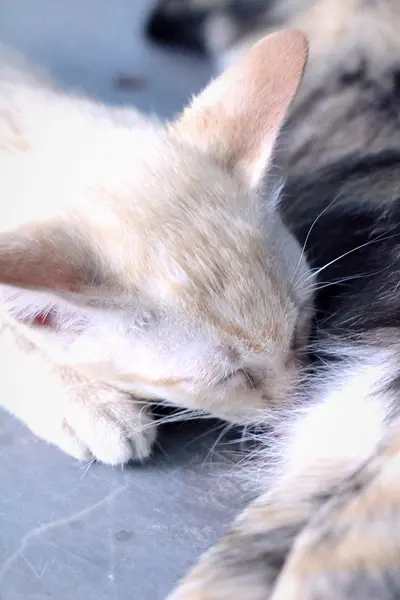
{"points": [[36, 114], [55, 145], [343, 158]]}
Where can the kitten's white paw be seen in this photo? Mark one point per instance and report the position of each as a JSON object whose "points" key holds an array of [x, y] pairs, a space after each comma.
{"points": [[97, 421], [111, 427], [86, 418]]}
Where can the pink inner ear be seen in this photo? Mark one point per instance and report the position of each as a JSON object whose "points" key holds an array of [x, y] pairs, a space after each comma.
{"points": [[31, 314], [44, 311], [42, 319]]}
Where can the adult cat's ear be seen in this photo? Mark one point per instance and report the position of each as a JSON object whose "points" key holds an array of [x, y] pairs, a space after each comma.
{"points": [[237, 118]]}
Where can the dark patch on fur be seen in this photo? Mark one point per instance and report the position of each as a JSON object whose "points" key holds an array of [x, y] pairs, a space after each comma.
{"points": [[263, 554], [347, 198], [363, 247], [184, 26], [351, 76], [183, 29], [180, 28], [393, 387]]}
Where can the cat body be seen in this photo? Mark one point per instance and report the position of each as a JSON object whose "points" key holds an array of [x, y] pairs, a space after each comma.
{"points": [[148, 252], [221, 30], [326, 526]]}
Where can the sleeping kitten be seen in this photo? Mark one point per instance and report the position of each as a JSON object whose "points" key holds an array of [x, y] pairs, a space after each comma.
{"points": [[148, 254], [327, 524]]}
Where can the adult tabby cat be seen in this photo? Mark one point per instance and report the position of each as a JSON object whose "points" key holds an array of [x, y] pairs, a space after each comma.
{"points": [[146, 251], [328, 525]]}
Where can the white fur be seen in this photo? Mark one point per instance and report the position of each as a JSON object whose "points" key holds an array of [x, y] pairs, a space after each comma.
{"points": [[340, 423]]}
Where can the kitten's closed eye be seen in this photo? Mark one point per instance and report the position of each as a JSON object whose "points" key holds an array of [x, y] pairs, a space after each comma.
{"points": [[242, 377]]}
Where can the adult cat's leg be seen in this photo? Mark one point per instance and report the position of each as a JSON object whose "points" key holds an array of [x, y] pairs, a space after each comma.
{"points": [[246, 562], [325, 445], [85, 418], [351, 546], [341, 544]]}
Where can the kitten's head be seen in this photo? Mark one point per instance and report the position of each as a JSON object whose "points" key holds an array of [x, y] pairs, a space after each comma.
{"points": [[165, 269]]}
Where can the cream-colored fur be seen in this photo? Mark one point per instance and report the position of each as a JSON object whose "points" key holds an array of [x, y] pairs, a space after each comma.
{"points": [[165, 273]]}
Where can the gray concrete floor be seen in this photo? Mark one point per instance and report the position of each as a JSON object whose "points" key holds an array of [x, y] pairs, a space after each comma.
{"points": [[87, 531]]}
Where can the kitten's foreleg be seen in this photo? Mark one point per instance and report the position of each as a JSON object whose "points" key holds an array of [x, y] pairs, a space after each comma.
{"points": [[59, 404]]}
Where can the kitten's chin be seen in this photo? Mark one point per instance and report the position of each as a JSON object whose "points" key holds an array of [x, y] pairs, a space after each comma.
{"points": [[236, 401], [254, 407]]}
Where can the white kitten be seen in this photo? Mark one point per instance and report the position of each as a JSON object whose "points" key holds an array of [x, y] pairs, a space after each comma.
{"points": [[163, 272]]}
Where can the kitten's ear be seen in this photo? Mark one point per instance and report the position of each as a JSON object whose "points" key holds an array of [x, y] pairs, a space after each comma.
{"points": [[237, 118], [47, 258]]}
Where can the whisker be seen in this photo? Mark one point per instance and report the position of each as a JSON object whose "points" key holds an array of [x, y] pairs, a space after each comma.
{"points": [[204, 434], [380, 238], [348, 278], [309, 233], [212, 450]]}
